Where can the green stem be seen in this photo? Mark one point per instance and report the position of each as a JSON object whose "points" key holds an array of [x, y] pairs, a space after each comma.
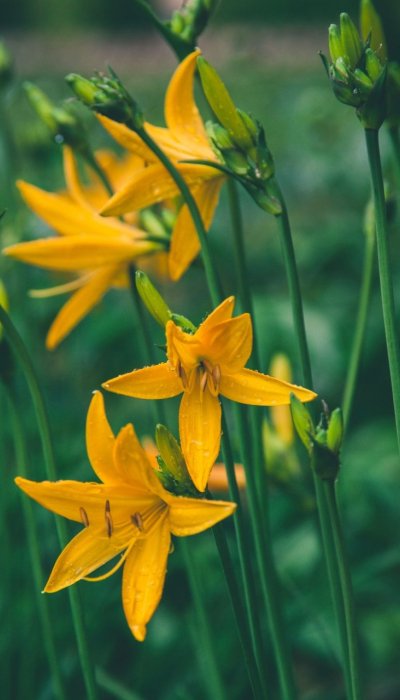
{"points": [[266, 565], [95, 165], [25, 361], [212, 677], [294, 289], [385, 272], [249, 588], [395, 139], [212, 279], [346, 586], [34, 553], [361, 324]]}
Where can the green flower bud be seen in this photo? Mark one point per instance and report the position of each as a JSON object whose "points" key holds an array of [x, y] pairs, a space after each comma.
{"points": [[335, 44], [267, 202], [324, 462], [350, 39], [219, 136], [64, 126], [153, 224], [362, 81], [373, 66], [302, 421], [43, 107], [236, 162], [183, 323], [342, 69], [334, 433], [107, 95], [173, 471], [250, 124], [152, 299], [222, 105], [371, 27]]}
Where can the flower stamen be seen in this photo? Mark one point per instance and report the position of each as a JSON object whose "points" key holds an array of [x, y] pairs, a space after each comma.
{"points": [[216, 375], [109, 522], [137, 520], [203, 381], [84, 517]]}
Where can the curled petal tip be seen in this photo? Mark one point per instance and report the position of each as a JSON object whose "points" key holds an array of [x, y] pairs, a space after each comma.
{"points": [[139, 632]]}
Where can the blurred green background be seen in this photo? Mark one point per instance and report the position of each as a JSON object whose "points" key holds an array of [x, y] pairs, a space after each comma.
{"points": [[321, 163]]}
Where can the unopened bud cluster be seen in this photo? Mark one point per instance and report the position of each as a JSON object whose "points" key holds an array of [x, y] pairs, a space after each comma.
{"points": [[191, 19], [107, 95], [357, 72], [238, 140], [64, 126], [323, 442]]}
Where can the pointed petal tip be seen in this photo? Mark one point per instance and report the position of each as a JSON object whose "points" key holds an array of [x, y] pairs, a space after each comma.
{"points": [[139, 632]]}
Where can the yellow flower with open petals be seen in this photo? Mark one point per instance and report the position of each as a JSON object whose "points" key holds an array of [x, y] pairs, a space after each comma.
{"points": [[202, 366], [129, 514], [184, 139], [99, 250]]}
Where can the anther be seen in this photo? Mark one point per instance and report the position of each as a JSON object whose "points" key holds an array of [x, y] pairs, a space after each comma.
{"points": [[138, 521], [182, 374], [203, 381], [216, 375], [109, 523], [207, 365], [84, 517]]}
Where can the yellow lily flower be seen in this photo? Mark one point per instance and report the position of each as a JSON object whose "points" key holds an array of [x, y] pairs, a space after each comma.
{"points": [[129, 513], [98, 249], [202, 366], [184, 139]]}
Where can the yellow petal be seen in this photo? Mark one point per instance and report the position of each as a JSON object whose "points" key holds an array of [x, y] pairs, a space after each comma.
{"points": [[149, 186], [71, 175], [200, 431], [143, 577], [100, 441], [229, 343], [188, 516], [182, 347], [154, 382], [85, 553], [68, 498], [223, 312], [79, 305], [254, 388], [126, 138], [78, 252], [132, 464], [181, 113], [185, 244]]}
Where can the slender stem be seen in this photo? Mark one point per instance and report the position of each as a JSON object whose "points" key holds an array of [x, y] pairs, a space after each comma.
{"points": [[395, 139], [34, 553], [237, 609], [385, 272], [347, 590], [95, 165], [249, 588], [361, 324], [25, 361], [212, 677], [294, 289], [266, 567], [212, 279]]}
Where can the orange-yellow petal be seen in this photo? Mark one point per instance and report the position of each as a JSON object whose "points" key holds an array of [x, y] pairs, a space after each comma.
{"points": [[132, 463], [185, 244], [126, 138], [229, 343], [182, 347], [188, 516], [71, 175], [254, 388], [100, 441], [78, 252], [79, 305], [143, 577], [200, 431], [181, 113], [223, 312], [58, 210], [154, 382], [85, 553]]}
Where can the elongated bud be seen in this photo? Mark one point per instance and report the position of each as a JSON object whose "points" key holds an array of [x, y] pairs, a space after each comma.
{"points": [[152, 299], [335, 44], [173, 471], [6, 65], [334, 433], [371, 27], [363, 82], [184, 323], [219, 136], [350, 40], [63, 125], [222, 105], [302, 421], [191, 19], [107, 95], [373, 66]]}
